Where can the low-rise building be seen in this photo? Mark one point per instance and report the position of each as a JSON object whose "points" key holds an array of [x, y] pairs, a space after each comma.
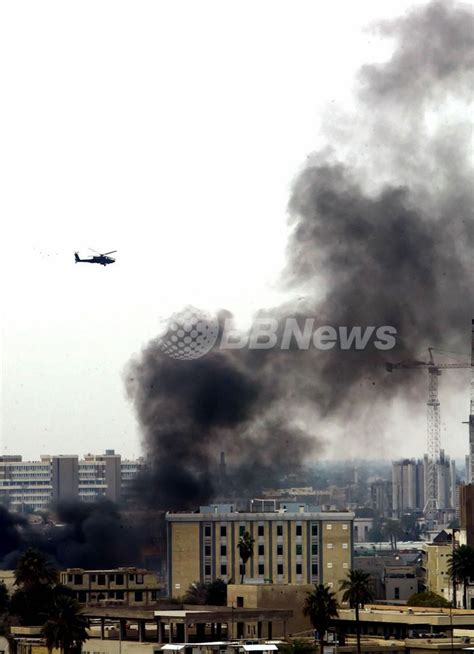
{"points": [[121, 586]]}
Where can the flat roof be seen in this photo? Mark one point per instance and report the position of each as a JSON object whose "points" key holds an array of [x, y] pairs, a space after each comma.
{"points": [[224, 614], [337, 516], [411, 615]]}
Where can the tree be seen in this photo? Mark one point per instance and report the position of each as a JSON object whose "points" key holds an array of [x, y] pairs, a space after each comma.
{"points": [[461, 568], [320, 607], [297, 646], [393, 531], [245, 547], [217, 593], [4, 598], [38, 587], [428, 598], [213, 593], [33, 569], [65, 628], [357, 592], [196, 593]]}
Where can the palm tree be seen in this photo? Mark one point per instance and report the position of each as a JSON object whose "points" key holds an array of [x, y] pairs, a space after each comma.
{"points": [[196, 593], [357, 592], [33, 569], [320, 607], [461, 568], [66, 628], [393, 531], [245, 547]]}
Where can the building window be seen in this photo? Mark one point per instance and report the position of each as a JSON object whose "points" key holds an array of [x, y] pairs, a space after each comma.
{"points": [[329, 565], [132, 577], [138, 596], [344, 526], [223, 569], [299, 549], [261, 550], [344, 546], [279, 550], [93, 579], [328, 526], [261, 530], [207, 531], [119, 594], [314, 530], [240, 601], [314, 569], [223, 532], [154, 595], [314, 549], [241, 530], [279, 568], [329, 546], [139, 579], [261, 569], [207, 550], [299, 569], [101, 580], [279, 530], [207, 570], [119, 579], [223, 550], [70, 578], [112, 578], [396, 590], [299, 530]]}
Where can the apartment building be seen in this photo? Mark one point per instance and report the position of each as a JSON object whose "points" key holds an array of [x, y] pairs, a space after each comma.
{"points": [[290, 547], [122, 586], [26, 485], [435, 565]]}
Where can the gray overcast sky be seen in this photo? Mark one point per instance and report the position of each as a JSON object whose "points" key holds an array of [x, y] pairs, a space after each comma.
{"points": [[170, 132]]}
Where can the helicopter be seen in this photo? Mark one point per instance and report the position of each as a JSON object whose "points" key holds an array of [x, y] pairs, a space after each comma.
{"points": [[102, 259]]}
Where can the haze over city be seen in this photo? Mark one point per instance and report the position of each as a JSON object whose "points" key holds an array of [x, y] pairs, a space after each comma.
{"points": [[187, 160]]}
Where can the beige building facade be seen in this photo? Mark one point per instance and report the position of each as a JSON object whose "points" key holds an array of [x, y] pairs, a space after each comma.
{"points": [[121, 586], [289, 548]]}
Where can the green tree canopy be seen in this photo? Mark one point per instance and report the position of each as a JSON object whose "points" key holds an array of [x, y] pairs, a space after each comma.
{"points": [[34, 569], [428, 598], [356, 592], [321, 607], [213, 593], [245, 547], [66, 628], [461, 567]]}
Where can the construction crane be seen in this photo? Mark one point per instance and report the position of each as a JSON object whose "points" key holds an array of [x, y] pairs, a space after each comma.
{"points": [[434, 421]]}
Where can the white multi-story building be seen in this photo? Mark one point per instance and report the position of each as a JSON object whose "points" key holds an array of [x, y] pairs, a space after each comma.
{"points": [[26, 485]]}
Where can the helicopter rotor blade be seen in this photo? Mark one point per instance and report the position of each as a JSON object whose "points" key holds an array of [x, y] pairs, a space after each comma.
{"points": [[106, 253], [98, 253]]}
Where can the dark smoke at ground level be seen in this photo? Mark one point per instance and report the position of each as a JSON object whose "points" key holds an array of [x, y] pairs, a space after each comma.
{"points": [[84, 535]]}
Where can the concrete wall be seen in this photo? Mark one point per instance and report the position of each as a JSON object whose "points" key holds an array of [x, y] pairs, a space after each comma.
{"points": [[275, 596]]}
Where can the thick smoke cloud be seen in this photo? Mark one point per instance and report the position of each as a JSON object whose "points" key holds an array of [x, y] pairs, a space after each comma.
{"points": [[90, 536], [382, 235]]}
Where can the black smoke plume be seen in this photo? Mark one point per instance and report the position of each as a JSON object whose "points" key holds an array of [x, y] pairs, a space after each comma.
{"points": [[382, 235], [92, 536]]}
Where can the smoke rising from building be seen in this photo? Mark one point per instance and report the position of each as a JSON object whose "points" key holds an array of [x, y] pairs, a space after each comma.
{"points": [[90, 536], [382, 235]]}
